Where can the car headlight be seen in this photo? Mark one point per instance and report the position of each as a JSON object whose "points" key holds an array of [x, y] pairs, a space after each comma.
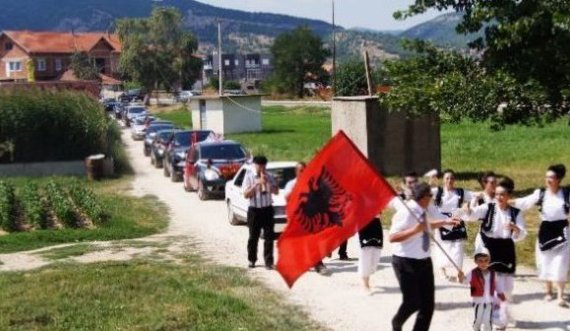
{"points": [[181, 155], [160, 152], [211, 175]]}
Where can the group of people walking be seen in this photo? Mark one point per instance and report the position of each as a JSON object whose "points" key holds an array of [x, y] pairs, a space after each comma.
{"points": [[427, 215]]}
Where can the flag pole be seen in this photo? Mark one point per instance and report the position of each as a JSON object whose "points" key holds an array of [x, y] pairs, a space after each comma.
{"points": [[432, 237]]}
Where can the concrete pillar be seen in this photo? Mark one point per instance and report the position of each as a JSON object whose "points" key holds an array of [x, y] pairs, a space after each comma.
{"points": [[394, 142]]}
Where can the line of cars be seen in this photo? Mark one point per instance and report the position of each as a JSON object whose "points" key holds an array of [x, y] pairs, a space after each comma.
{"points": [[210, 166]]}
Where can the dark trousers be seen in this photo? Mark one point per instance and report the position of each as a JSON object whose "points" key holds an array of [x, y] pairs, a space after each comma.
{"points": [[258, 219], [417, 284], [342, 249]]}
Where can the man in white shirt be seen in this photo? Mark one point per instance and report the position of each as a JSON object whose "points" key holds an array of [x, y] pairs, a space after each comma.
{"points": [[258, 187], [410, 235]]}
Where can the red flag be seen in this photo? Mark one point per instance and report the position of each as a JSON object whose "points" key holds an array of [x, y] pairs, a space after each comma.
{"points": [[338, 194]]}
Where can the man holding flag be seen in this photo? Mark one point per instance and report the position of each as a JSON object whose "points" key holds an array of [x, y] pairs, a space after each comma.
{"points": [[410, 234]]}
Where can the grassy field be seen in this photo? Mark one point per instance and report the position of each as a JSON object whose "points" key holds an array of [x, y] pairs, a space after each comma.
{"points": [[522, 153], [130, 218], [141, 295], [177, 114]]}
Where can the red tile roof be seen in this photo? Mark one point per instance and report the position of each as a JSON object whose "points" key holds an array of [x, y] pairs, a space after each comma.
{"points": [[61, 42]]}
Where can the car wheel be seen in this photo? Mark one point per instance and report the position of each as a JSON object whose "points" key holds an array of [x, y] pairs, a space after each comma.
{"points": [[152, 161], [146, 152], [157, 163], [231, 215], [165, 171], [202, 195]]}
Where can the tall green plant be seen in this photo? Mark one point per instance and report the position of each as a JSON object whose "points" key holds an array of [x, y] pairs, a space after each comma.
{"points": [[7, 207], [33, 205], [61, 204], [86, 200]]}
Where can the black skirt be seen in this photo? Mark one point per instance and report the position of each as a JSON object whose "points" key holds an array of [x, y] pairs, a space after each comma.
{"points": [[503, 255], [552, 234]]}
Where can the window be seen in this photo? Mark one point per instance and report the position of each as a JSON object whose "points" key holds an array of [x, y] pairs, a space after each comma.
{"points": [[265, 62], [226, 63], [58, 65], [8, 46], [41, 64], [237, 62], [239, 178], [14, 66]]}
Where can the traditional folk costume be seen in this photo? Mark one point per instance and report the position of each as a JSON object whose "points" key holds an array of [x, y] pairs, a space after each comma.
{"points": [[552, 249], [500, 241], [371, 242], [484, 289], [451, 240]]}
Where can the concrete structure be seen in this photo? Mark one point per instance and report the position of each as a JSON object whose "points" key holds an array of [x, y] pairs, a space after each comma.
{"points": [[226, 114], [42, 169], [393, 141]]}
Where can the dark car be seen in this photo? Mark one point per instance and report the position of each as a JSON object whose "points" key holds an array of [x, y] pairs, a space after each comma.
{"points": [[151, 131], [132, 95], [209, 165], [175, 154], [159, 145]]}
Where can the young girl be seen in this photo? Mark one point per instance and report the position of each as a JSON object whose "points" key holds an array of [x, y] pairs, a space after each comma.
{"points": [[447, 199], [552, 252], [371, 242], [501, 227]]}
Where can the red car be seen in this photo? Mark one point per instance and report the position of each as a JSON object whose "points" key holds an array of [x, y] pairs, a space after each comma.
{"points": [[209, 165]]}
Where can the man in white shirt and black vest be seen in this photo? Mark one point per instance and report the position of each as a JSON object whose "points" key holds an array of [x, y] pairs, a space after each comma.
{"points": [[410, 235], [259, 185]]}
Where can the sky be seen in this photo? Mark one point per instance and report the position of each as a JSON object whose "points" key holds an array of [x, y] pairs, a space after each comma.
{"points": [[371, 14]]}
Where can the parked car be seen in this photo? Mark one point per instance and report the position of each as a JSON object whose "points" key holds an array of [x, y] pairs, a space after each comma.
{"points": [[237, 204], [132, 112], [210, 164], [139, 126], [184, 96], [132, 95], [159, 144], [175, 154], [151, 131], [119, 109]]}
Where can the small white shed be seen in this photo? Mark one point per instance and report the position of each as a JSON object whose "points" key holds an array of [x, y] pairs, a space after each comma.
{"points": [[226, 114]]}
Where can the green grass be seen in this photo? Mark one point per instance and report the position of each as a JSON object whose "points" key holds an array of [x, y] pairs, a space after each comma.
{"points": [[179, 115], [70, 251], [139, 295], [130, 218]]}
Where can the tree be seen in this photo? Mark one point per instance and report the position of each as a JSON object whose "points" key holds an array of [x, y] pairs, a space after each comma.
{"points": [[157, 51], [83, 68], [529, 41], [298, 55], [456, 87]]}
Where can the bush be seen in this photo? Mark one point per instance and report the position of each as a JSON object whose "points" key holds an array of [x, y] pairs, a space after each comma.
{"points": [[48, 125], [7, 207]]}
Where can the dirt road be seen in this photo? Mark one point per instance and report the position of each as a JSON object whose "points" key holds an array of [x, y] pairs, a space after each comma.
{"points": [[336, 301]]}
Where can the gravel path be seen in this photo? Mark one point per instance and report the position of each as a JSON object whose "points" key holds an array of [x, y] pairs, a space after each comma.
{"points": [[336, 301]]}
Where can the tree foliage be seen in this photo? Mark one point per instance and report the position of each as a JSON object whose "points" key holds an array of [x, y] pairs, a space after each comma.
{"points": [[157, 51], [457, 86], [298, 55], [83, 68], [527, 41]]}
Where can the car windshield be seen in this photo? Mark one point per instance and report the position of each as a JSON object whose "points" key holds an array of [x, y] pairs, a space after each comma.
{"points": [[140, 120], [222, 152], [136, 110], [164, 134], [156, 128], [282, 175]]}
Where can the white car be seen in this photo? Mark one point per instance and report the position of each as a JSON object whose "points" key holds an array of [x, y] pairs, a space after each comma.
{"points": [[237, 204], [134, 111], [139, 125]]}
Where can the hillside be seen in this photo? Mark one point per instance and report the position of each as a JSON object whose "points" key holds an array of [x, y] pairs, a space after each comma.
{"points": [[441, 31], [243, 31]]}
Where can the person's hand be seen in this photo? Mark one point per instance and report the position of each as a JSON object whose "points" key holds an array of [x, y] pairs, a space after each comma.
{"points": [[461, 276], [454, 221]]}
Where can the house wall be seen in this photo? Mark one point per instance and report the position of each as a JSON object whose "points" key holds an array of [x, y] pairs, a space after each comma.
{"points": [[214, 115], [103, 50], [50, 59], [15, 54]]}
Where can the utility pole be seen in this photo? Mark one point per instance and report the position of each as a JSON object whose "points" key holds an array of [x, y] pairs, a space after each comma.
{"points": [[368, 76], [220, 64], [333, 52]]}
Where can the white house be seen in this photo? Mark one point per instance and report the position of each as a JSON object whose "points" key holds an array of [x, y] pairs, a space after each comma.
{"points": [[226, 114]]}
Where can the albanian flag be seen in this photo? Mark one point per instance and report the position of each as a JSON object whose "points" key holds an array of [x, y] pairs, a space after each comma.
{"points": [[338, 194]]}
